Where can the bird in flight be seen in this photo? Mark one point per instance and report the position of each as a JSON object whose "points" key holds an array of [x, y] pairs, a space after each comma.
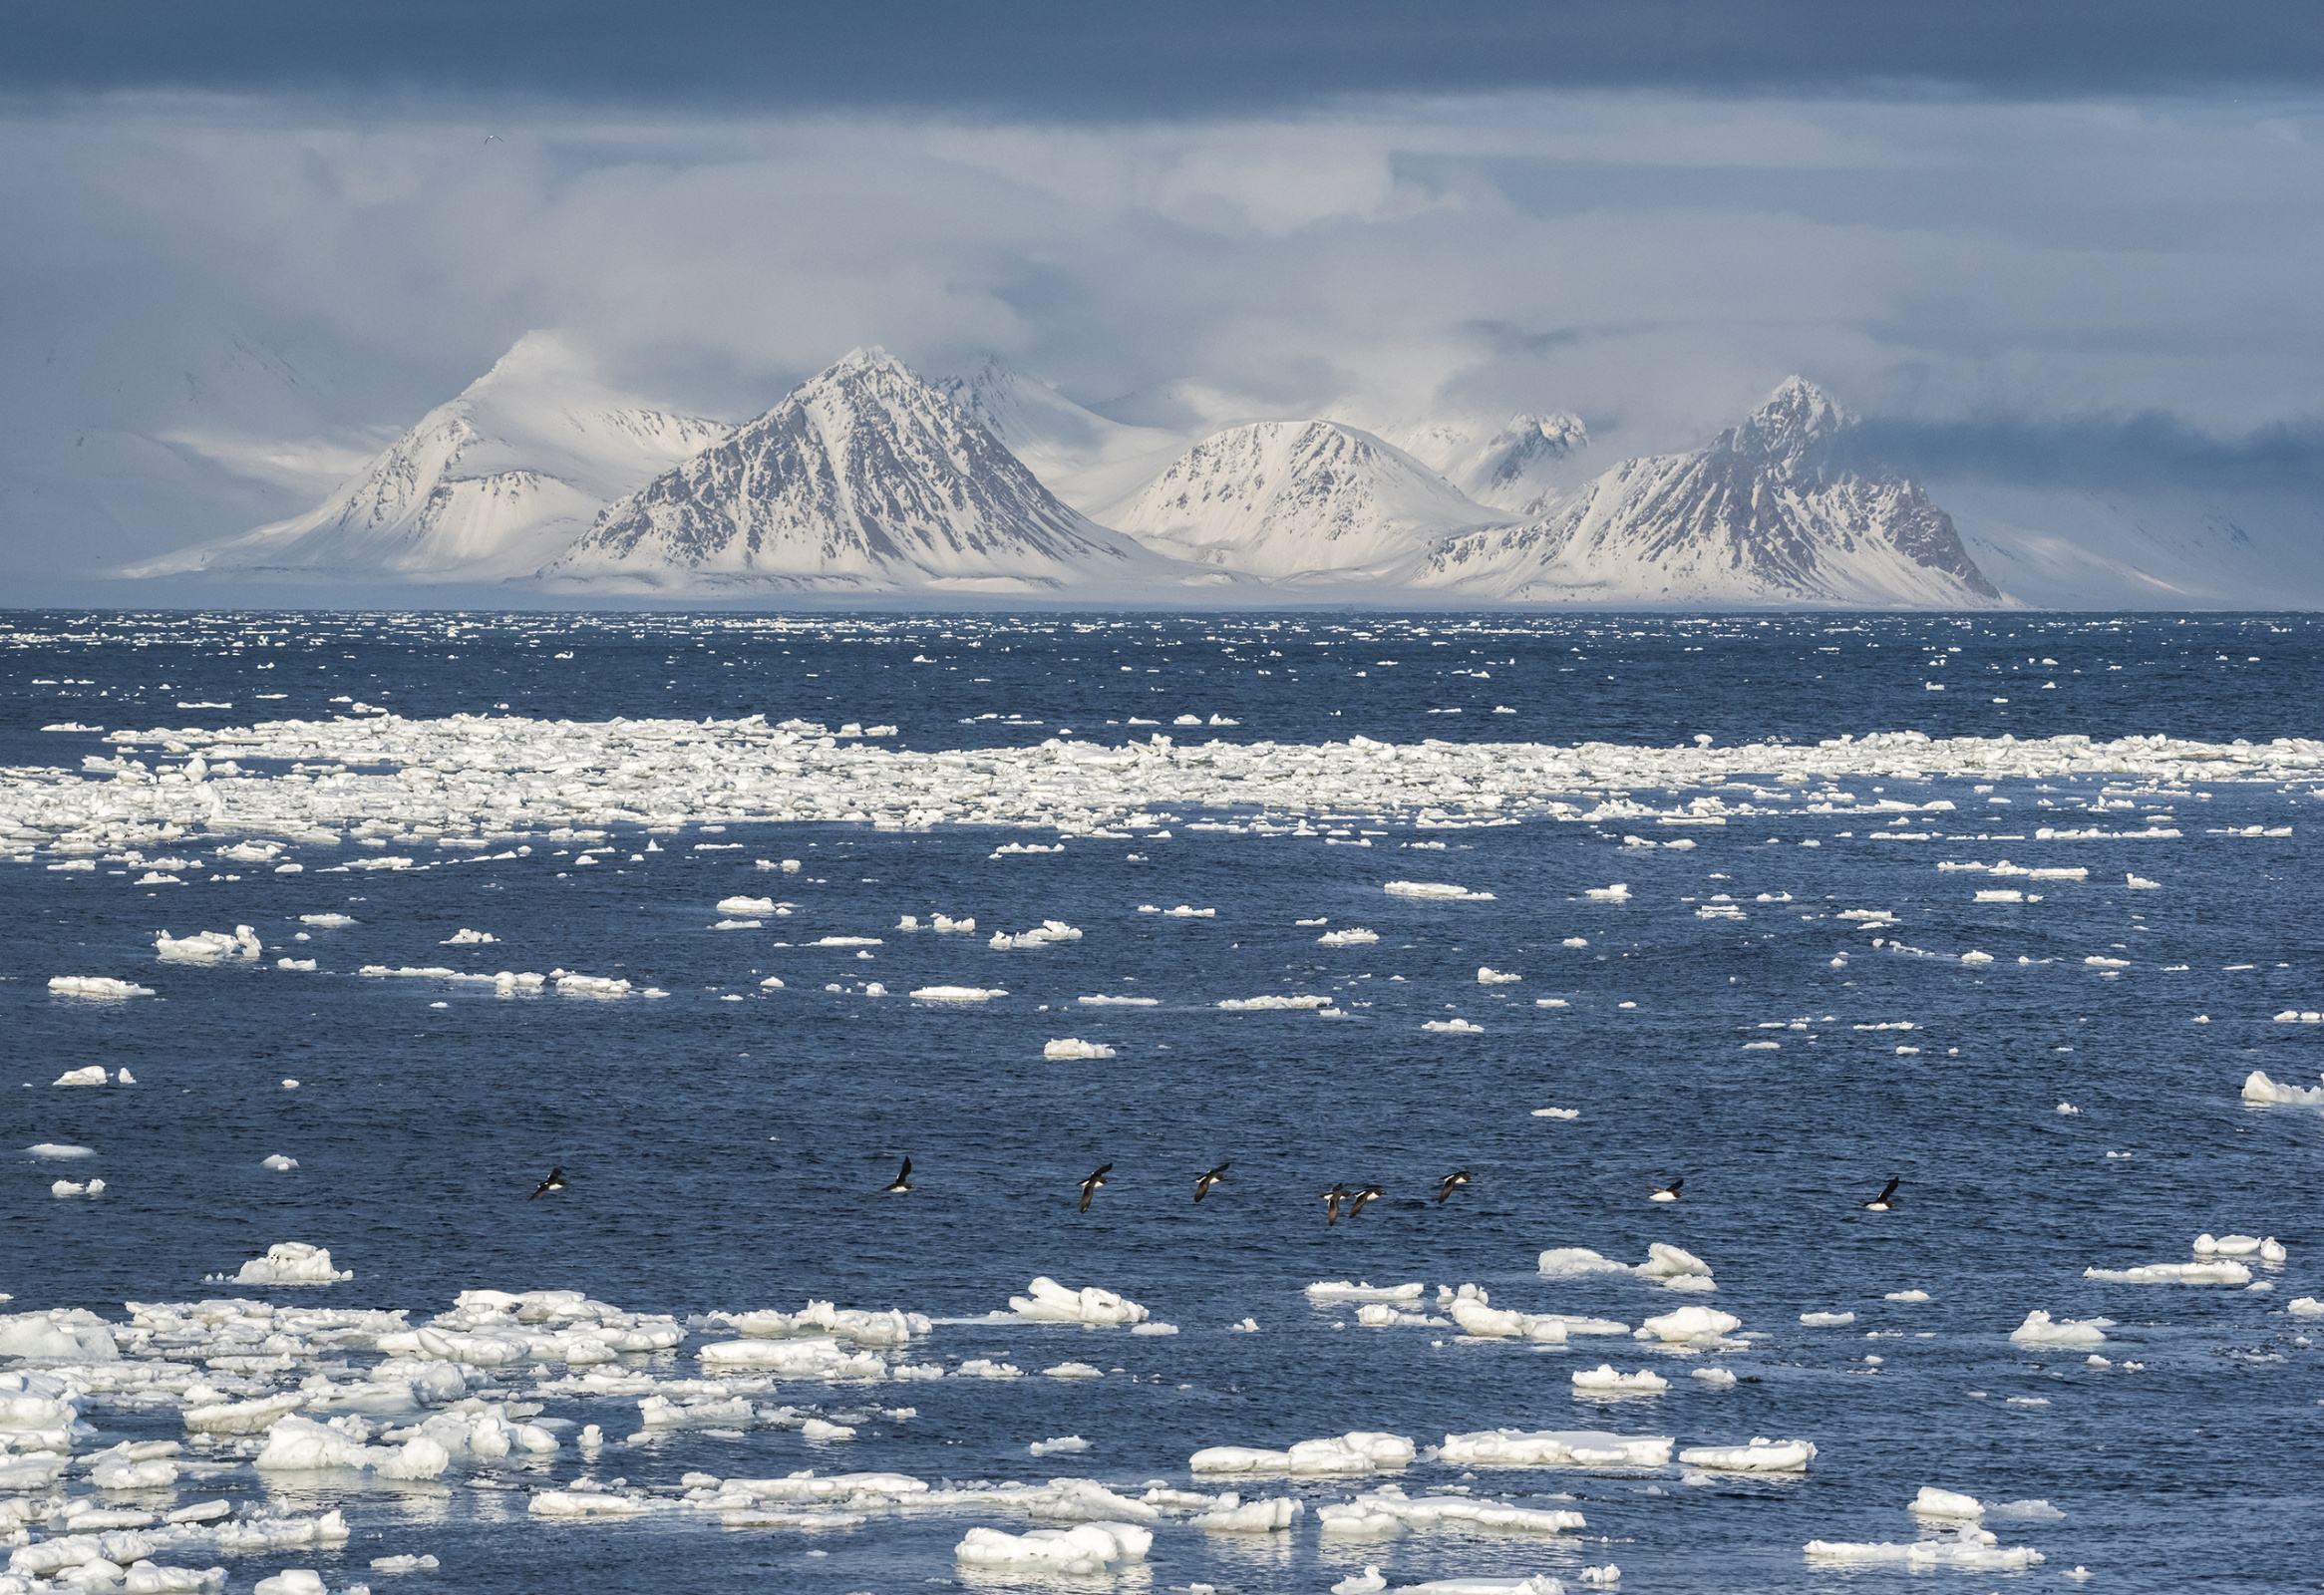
{"points": [[556, 1181], [1886, 1200], [902, 1181], [1089, 1185], [1332, 1199], [1667, 1193], [1451, 1182], [1204, 1182], [1369, 1194], [494, 138]]}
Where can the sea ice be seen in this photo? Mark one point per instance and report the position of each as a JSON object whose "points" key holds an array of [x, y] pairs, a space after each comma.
{"points": [[1268, 1516], [1511, 1447], [1457, 1027], [1048, 1302], [1826, 1320], [209, 946], [1075, 1047], [1945, 1503], [2222, 1272], [1676, 1268], [1120, 1002], [2040, 1329], [1762, 1456], [746, 905], [1388, 1510], [1085, 1550], [1435, 889], [1354, 937], [1606, 1378], [2257, 1088], [1257, 1005], [278, 1163], [957, 994], [1487, 976], [1562, 1262], [1340, 1290], [1978, 1554], [1048, 932], [1688, 1324], [95, 986], [1063, 1444], [291, 1262], [94, 1075]]}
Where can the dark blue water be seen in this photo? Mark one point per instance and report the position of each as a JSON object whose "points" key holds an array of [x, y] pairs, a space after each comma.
{"points": [[726, 1154]]}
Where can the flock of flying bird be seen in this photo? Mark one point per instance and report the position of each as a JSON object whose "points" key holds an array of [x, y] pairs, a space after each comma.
{"points": [[1334, 1199]]}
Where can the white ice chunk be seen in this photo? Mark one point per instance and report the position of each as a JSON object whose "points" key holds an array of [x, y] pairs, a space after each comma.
{"points": [[2040, 1329], [1085, 1550], [1388, 1510], [209, 946], [1605, 1376], [1266, 1516], [1048, 1302], [1062, 1444], [1353, 936], [1826, 1320], [957, 994], [1046, 933], [1563, 1262], [293, 1262], [1487, 976], [1119, 1002], [1341, 1290], [1971, 1554], [746, 905], [1762, 1456], [1435, 889], [1255, 1005], [1511, 1447], [278, 1163], [2257, 1088], [1687, 1324], [95, 986], [2219, 1272], [94, 1075], [1075, 1047]]}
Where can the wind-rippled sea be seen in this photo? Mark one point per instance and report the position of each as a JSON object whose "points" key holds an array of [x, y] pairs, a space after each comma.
{"points": [[726, 1144]]}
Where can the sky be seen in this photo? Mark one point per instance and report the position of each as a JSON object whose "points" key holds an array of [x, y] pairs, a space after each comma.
{"points": [[248, 243]]}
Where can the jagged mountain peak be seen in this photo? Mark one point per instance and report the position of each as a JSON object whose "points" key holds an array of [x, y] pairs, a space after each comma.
{"points": [[865, 477], [1789, 426]]}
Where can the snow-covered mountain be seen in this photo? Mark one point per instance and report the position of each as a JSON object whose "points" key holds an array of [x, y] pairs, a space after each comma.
{"points": [[1299, 501], [1082, 457], [866, 479], [1762, 515], [1521, 465], [483, 487]]}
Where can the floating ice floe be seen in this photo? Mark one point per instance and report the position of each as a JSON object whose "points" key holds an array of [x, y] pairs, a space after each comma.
{"points": [[2265, 1247], [746, 905], [1340, 1290], [1354, 937], [2305, 1307], [2257, 1088], [957, 994], [1690, 1325], [1481, 1321], [1459, 1027], [1906, 1296], [1388, 1510], [2040, 1329], [2218, 1272], [1677, 1268], [1059, 1446], [1826, 1320], [65, 1187], [278, 1163], [1974, 1551], [1606, 1378], [1085, 1550], [1435, 889], [1762, 1456], [463, 938], [1259, 1005], [1046, 933], [1566, 1262], [94, 1075], [2301, 1016], [1048, 1302], [1615, 893], [51, 1148], [889, 1328], [1234, 1516], [1358, 1452], [1119, 1002], [291, 1262], [1716, 1378], [209, 946], [95, 986], [1075, 1047], [1513, 1447], [1487, 976], [1073, 1370]]}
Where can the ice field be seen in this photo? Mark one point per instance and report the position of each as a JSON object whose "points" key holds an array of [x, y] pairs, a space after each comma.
{"points": [[330, 937]]}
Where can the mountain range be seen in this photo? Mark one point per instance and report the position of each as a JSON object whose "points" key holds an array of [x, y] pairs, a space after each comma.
{"points": [[871, 479]]}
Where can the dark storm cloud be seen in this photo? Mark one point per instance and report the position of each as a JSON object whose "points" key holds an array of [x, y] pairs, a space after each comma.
{"points": [[1078, 61], [2104, 452]]}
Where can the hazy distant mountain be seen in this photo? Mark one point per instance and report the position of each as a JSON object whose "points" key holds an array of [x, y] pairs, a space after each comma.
{"points": [[1293, 500], [1079, 454], [483, 487], [866, 479], [1521, 465], [1762, 515]]}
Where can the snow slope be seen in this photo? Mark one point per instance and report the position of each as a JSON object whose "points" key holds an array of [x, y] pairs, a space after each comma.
{"points": [[863, 480], [1758, 515], [483, 487], [2071, 548], [1521, 465], [1299, 502], [1082, 457]]}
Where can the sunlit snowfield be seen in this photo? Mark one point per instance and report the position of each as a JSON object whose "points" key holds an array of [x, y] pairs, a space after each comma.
{"points": [[1808, 986]]}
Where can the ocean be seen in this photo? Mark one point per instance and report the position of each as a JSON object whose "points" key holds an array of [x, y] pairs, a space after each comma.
{"points": [[1877, 920]]}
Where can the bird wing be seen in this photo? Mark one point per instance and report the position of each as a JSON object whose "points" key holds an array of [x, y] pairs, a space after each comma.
{"points": [[1089, 1189], [906, 1172]]}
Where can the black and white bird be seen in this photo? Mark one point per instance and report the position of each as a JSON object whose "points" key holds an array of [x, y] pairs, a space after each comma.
{"points": [[902, 1181], [1450, 1183], [1331, 1202], [1089, 1185], [1667, 1193], [1204, 1182], [1886, 1200], [1370, 1194], [556, 1181]]}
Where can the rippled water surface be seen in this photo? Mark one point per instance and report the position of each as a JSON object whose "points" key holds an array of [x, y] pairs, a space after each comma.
{"points": [[726, 1142]]}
